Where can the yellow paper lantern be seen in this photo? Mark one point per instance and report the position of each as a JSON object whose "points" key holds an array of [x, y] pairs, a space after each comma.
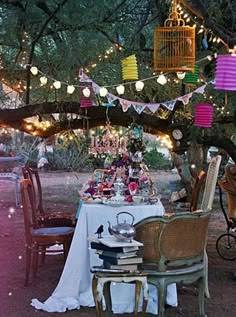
{"points": [[130, 68]]}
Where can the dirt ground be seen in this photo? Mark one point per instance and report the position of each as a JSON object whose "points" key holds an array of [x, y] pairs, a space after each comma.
{"points": [[61, 192]]}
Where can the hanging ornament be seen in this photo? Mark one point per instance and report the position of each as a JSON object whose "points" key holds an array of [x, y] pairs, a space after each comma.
{"points": [[130, 68], [174, 44], [203, 115], [181, 75], [34, 70], [103, 92], [120, 89], [205, 43], [139, 85], [86, 97], [70, 89], [225, 72], [192, 77], [43, 80], [57, 84], [162, 80]]}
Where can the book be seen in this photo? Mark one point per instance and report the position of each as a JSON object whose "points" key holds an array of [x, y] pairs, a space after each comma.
{"points": [[100, 246], [112, 242], [119, 261], [127, 267], [120, 255]]}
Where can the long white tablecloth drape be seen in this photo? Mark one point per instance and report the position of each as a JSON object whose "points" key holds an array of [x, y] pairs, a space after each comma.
{"points": [[74, 288]]}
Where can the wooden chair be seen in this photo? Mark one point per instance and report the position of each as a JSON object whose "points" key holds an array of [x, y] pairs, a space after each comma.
{"points": [[37, 238], [52, 218], [173, 252], [197, 188]]}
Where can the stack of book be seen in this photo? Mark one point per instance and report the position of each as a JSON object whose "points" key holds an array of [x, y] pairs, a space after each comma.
{"points": [[117, 255]]}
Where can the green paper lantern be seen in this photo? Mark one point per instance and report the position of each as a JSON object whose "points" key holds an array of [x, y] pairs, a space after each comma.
{"points": [[192, 78]]}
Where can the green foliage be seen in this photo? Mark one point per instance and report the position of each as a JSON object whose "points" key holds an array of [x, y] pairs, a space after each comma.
{"points": [[156, 160], [69, 157]]}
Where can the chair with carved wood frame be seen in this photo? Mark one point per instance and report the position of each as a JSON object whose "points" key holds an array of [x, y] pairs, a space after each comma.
{"points": [[51, 218], [38, 239], [173, 252]]}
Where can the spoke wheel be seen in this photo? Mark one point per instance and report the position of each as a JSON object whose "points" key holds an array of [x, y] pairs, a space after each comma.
{"points": [[226, 246]]}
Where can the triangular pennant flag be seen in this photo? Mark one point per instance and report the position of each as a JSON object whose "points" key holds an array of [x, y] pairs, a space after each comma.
{"points": [[83, 77], [138, 108], [125, 104], [111, 97], [153, 107], [96, 88], [200, 90], [169, 104], [185, 98]]}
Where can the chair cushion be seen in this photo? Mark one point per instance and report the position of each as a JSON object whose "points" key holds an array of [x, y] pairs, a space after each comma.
{"points": [[52, 230]]}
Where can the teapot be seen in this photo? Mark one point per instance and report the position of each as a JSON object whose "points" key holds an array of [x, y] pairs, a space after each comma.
{"points": [[122, 231]]}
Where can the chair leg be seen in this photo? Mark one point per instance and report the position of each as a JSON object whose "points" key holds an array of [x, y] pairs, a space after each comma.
{"points": [[35, 260], [161, 289], [207, 293], [201, 296], [28, 265]]}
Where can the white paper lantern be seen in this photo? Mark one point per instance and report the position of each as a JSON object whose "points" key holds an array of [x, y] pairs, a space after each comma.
{"points": [[139, 85], [103, 92], [120, 89], [162, 80], [180, 75], [43, 80], [57, 84], [34, 70], [70, 89], [86, 92]]}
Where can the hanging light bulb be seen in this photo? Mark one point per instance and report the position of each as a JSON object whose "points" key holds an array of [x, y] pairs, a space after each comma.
{"points": [[43, 80], [180, 75], [162, 80], [70, 89], [57, 84], [139, 85], [103, 92], [86, 92], [120, 89], [34, 70]]}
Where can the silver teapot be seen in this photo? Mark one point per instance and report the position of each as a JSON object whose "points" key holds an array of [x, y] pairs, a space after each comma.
{"points": [[122, 231]]}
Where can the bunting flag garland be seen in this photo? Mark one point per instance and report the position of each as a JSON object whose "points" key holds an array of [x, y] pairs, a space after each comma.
{"points": [[139, 107]]}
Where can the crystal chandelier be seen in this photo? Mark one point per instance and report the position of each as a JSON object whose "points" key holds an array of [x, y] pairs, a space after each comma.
{"points": [[109, 141]]}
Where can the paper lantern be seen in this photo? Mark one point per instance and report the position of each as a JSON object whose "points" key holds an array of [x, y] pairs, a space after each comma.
{"points": [[191, 78], [203, 115], [139, 85], [34, 70], [174, 45], [86, 100], [162, 80], [103, 92], [225, 72], [120, 89], [70, 89], [57, 84], [130, 68]]}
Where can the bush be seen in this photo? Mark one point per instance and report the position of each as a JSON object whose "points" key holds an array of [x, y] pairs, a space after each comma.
{"points": [[155, 160]]}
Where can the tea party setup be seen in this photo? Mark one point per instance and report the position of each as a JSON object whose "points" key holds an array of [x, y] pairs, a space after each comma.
{"points": [[111, 202], [126, 181]]}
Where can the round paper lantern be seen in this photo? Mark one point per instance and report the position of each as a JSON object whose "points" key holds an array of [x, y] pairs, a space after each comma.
{"points": [[203, 115], [191, 78], [225, 72]]}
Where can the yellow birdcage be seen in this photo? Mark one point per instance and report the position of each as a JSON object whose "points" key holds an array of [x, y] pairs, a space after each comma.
{"points": [[174, 45]]}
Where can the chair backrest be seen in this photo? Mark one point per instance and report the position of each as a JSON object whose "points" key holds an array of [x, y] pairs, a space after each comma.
{"points": [[210, 185], [29, 208], [173, 241], [198, 186], [33, 175]]}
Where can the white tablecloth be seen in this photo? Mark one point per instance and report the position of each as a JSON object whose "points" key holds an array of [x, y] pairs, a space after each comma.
{"points": [[74, 288]]}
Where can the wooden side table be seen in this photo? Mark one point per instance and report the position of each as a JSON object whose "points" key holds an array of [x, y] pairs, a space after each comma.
{"points": [[101, 286]]}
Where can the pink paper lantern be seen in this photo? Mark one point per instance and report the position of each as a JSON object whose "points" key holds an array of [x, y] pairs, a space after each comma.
{"points": [[225, 72], [86, 102], [203, 115]]}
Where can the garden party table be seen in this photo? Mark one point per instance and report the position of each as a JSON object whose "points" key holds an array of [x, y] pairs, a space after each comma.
{"points": [[75, 286]]}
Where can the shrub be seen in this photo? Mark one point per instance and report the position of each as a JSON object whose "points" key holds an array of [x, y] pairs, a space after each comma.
{"points": [[155, 160]]}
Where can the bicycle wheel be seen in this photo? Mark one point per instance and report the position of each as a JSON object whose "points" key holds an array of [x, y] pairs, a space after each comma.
{"points": [[226, 246]]}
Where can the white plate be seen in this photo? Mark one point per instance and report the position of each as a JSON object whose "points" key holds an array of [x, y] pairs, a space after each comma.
{"points": [[114, 203]]}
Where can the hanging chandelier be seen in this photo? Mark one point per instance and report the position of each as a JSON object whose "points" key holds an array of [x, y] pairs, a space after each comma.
{"points": [[108, 142]]}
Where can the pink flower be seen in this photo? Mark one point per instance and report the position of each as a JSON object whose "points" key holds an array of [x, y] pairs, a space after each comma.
{"points": [[133, 186], [143, 178]]}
